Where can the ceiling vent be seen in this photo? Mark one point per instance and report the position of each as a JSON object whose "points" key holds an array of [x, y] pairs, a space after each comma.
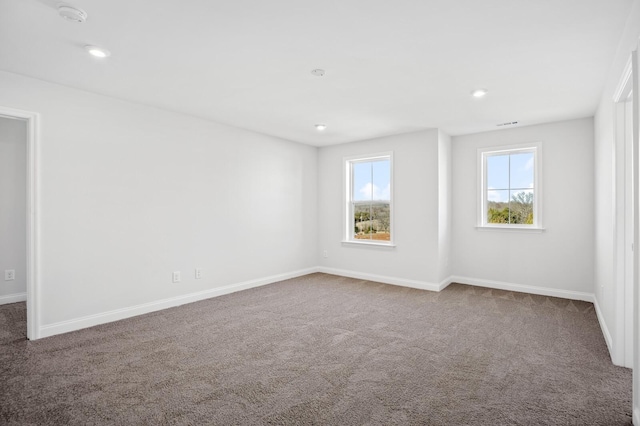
{"points": [[508, 123], [71, 13]]}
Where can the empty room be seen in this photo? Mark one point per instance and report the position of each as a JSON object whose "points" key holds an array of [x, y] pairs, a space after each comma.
{"points": [[344, 213]]}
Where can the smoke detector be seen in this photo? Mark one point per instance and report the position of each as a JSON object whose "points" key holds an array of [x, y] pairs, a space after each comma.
{"points": [[71, 13], [318, 72]]}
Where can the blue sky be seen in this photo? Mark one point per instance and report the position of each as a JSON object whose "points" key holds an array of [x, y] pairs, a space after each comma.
{"points": [[508, 175], [372, 180]]}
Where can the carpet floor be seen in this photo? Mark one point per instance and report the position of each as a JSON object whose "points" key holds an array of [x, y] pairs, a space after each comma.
{"points": [[322, 349]]}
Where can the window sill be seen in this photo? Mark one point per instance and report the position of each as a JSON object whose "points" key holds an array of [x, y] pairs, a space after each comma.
{"points": [[525, 229], [368, 244]]}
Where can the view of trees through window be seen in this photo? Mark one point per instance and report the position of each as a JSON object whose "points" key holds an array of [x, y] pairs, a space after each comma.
{"points": [[510, 188], [371, 199]]}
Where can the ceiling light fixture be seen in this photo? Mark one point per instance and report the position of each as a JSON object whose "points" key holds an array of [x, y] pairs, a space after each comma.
{"points": [[479, 93], [96, 51], [318, 72], [72, 14], [321, 127]]}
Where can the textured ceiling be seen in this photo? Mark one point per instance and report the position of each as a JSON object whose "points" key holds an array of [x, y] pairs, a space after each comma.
{"points": [[391, 67]]}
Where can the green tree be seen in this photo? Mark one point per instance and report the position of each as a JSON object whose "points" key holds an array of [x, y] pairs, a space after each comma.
{"points": [[521, 207], [519, 210], [497, 215]]}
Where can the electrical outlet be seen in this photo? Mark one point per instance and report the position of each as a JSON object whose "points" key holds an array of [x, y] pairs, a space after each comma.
{"points": [[325, 254], [198, 273], [9, 274], [176, 276]]}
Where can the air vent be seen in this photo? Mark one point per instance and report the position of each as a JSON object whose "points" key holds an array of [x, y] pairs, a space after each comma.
{"points": [[508, 123]]}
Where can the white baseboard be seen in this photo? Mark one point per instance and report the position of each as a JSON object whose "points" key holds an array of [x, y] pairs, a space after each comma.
{"points": [[522, 288], [422, 285], [118, 314], [604, 328], [13, 298], [636, 416]]}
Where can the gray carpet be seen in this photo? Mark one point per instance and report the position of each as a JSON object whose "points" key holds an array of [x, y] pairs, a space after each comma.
{"points": [[323, 349]]}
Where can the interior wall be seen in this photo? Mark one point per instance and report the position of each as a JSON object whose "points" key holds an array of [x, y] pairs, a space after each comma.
{"points": [[13, 208], [415, 259], [445, 198], [558, 258], [128, 194], [604, 130]]}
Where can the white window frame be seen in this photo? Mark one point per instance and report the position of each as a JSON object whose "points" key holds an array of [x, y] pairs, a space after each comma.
{"points": [[483, 154], [348, 225]]}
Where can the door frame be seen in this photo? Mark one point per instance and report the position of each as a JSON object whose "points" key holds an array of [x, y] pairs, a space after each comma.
{"points": [[32, 121], [636, 256], [624, 213]]}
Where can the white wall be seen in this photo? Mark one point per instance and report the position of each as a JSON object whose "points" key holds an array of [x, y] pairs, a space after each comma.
{"points": [[415, 260], [130, 193], [445, 199], [559, 258], [13, 208], [604, 129]]}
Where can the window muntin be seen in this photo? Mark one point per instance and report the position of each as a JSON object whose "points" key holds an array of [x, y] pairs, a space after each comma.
{"points": [[510, 189], [369, 201]]}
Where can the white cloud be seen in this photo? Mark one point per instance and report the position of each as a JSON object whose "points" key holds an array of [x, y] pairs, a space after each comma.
{"points": [[385, 194], [494, 196], [497, 196], [370, 191], [529, 164]]}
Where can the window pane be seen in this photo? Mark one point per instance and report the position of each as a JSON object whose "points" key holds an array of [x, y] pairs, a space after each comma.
{"points": [[380, 221], [362, 182], [362, 221], [498, 172], [498, 206], [381, 180], [371, 199], [509, 192], [521, 207], [372, 221], [522, 170]]}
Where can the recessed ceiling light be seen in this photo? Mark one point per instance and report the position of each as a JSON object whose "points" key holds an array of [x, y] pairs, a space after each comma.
{"points": [[478, 93], [318, 72], [98, 52], [321, 127], [71, 13]]}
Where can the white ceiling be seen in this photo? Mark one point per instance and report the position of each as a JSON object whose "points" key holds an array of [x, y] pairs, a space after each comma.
{"points": [[391, 66]]}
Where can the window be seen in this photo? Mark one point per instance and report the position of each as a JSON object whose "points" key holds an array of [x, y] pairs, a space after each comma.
{"points": [[510, 190], [369, 199]]}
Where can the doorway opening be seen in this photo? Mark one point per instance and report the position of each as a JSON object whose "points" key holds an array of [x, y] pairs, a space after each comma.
{"points": [[18, 213]]}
